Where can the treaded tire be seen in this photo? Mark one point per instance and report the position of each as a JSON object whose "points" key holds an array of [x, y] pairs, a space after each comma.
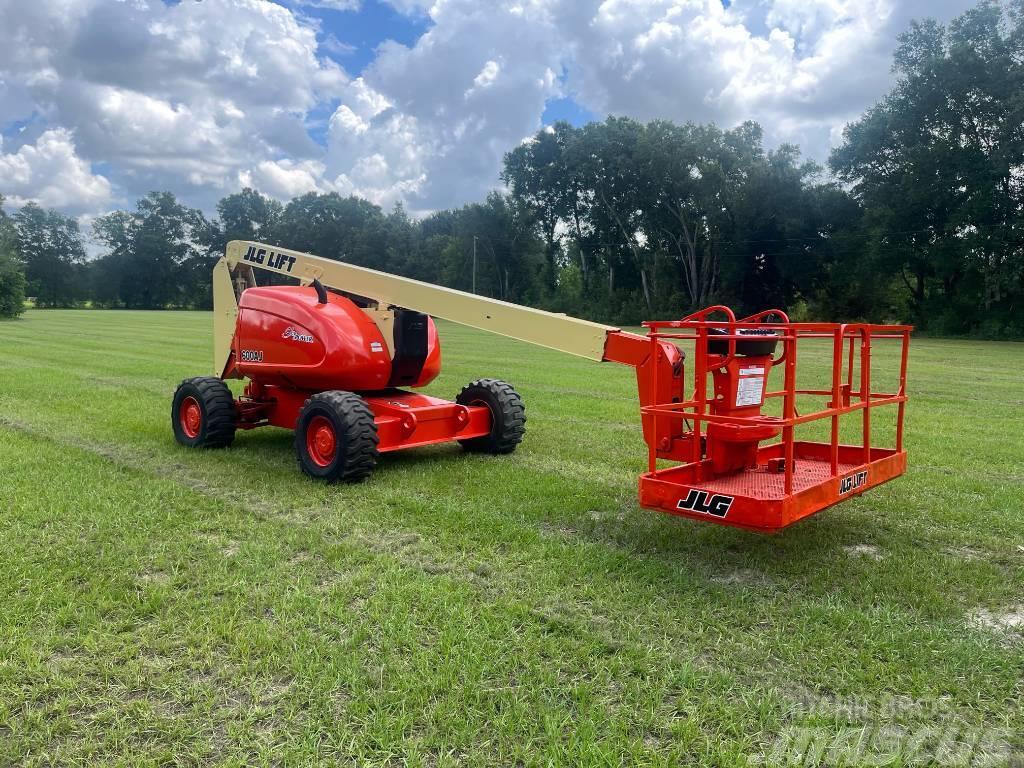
{"points": [[349, 420], [508, 415], [210, 398]]}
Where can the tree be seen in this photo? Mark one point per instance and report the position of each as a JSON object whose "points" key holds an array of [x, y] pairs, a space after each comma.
{"points": [[606, 158], [542, 182], [12, 279], [343, 228], [773, 237], [512, 263], [156, 257], [245, 215], [938, 165], [50, 247], [675, 214]]}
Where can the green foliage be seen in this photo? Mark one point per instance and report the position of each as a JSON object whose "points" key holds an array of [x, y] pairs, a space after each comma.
{"points": [[12, 278], [156, 256], [12, 287], [664, 218], [50, 248], [938, 166]]}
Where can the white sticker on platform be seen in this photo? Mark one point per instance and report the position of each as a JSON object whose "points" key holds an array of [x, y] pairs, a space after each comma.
{"points": [[751, 371], [749, 391]]}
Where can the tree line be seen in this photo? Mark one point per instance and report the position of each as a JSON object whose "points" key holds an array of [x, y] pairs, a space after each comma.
{"points": [[921, 220]]}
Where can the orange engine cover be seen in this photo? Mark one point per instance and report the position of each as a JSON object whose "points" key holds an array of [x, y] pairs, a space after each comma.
{"points": [[284, 336]]}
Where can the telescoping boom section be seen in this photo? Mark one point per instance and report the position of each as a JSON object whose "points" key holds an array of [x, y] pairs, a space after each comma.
{"points": [[330, 359]]}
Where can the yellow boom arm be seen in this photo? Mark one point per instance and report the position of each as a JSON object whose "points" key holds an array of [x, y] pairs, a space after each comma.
{"points": [[546, 329]]}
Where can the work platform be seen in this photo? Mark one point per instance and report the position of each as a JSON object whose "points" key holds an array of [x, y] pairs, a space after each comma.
{"points": [[781, 482]]}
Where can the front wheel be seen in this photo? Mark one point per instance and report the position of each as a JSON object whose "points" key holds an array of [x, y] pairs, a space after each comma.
{"points": [[336, 437], [203, 413], [508, 415]]}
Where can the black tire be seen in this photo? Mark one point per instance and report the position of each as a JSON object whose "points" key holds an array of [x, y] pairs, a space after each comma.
{"points": [[354, 435], [215, 425], [508, 415]]}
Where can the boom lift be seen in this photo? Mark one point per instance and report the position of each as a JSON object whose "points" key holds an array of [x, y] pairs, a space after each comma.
{"points": [[332, 365]]}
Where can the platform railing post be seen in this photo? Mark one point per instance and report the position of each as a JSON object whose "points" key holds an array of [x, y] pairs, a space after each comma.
{"points": [[865, 390], [849, 368], [789, 408], [837, 372], [902, 391], [652, 362], [700, 388]]}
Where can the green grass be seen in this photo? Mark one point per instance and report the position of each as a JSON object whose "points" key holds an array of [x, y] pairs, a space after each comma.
{"points": [[160, 606]]}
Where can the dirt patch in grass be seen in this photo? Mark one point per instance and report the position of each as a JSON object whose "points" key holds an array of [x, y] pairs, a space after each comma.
{"points": [[1008, 624], [742, 577], [230, 549], [969, 554], [155, 576], [864, 550], [557, 531]]}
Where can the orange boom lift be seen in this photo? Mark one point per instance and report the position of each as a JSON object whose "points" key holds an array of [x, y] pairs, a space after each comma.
{"points": [[336, 365]]}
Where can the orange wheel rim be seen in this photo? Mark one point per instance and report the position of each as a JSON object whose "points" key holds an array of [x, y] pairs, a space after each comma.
{"points": [[191, 417], [321, 441]]}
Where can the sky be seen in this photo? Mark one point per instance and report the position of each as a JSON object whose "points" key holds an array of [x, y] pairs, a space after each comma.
{"points": [[102, 101]]}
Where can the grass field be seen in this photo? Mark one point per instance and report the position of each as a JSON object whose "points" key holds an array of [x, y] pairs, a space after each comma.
{"points": [[160, 606]]}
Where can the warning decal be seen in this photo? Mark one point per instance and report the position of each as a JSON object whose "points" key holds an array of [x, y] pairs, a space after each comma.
{"points": [[749, 391]]}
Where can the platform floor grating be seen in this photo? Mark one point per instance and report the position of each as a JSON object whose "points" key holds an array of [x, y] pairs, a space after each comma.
{"points": [[764, 485]]}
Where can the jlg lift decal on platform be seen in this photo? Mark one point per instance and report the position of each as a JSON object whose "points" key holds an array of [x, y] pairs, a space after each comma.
{"points": [[269, 258], [853, 482], [703, 502]]}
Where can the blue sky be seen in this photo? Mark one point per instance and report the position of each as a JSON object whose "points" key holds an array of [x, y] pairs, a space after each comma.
{"points": [[364, 29]]}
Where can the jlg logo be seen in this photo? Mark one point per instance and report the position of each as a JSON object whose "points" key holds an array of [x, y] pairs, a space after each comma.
{"points": [[853, 482], [706, 504], [272, 259]]}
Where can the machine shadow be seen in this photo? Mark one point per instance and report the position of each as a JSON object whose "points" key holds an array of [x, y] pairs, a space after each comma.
{"points": [[611, 519]]}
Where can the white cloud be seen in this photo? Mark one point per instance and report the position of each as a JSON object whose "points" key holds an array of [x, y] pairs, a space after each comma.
{"points": [[375, 151], [182, 97], [284, 179], [473, 85], [202, 97], [332, 44], [800, 68], [441, 113], [50, 173], [487, 76], [334, 5]]}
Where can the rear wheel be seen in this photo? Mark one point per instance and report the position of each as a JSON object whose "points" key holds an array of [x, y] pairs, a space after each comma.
{"points": [[508, 415], [336, 438], [203, 413]]}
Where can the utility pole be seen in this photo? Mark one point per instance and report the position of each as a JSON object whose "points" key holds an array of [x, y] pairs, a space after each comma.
{"points": [[474, 263]]}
